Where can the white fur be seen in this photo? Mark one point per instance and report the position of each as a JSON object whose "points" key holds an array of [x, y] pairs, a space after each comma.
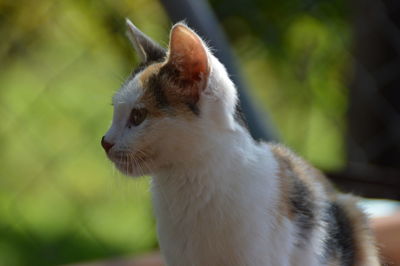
{"points": [[218, 205], [215, 190]]}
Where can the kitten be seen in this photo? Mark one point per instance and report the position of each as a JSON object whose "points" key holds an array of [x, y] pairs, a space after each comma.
{"points": [[221, 198]]}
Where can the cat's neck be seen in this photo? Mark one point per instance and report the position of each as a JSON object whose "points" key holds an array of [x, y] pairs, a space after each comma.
{"points": [[232, 166], [222, 187], [217, 152]]}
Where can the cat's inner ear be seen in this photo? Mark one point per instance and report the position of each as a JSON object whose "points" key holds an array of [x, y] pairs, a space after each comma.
{"points": [[188, 55], [147, 49]]}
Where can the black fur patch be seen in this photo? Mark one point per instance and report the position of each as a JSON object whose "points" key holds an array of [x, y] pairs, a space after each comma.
{"points": [[194, 108], [156, 88], [169, 74], [339, 243], [303, 207], [138, 69]]}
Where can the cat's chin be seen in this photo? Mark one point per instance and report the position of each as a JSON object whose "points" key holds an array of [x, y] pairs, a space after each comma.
{"points": [[130, 164], [130, 169]]}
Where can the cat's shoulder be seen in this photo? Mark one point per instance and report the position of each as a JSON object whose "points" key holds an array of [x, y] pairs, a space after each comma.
{"points": [[293, 167]]}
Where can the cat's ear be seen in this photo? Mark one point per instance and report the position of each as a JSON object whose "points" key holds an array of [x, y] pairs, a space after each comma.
{"points": [[188, 55], [145, 47]]}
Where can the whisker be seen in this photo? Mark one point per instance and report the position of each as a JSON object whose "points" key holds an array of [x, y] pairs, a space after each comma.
{"points": [[145, 160]]}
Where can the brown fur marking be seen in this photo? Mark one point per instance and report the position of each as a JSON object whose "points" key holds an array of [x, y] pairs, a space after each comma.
{"points": [[165, 93], [302, 169], [285, 188], [149, 71], [291, 167]]}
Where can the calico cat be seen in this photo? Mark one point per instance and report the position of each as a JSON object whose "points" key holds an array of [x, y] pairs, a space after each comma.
{"points": [[220, 197]]}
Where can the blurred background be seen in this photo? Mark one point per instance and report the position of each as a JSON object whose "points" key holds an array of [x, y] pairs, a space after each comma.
{"points": [[324, 76]]}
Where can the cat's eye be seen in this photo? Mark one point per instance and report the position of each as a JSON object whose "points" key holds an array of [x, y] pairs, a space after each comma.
{"points": [[137, 116]]}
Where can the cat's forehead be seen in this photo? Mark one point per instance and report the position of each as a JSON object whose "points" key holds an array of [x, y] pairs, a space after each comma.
{"points": [[133, 90], [129, 93]]}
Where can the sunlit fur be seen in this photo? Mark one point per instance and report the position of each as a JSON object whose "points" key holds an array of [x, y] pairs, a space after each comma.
{"points": [[220, 198]]}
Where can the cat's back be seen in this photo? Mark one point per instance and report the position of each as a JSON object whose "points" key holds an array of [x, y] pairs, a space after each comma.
{"points": [[330, 228]]}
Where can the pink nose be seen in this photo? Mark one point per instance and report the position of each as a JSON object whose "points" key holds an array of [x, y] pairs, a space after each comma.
{"points": [[106, 145]]}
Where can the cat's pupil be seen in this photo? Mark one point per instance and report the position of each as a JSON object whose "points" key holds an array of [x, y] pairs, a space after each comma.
{"points": [[137, 116]]}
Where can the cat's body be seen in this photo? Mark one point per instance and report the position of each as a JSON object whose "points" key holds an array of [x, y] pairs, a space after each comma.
{"points": [[221, 198]]}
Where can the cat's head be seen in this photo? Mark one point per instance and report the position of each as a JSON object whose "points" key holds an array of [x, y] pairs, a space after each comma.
{"points": [[174, 106]]}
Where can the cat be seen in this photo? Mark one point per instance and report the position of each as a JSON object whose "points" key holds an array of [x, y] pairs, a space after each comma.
{"points": [[220, 197]]}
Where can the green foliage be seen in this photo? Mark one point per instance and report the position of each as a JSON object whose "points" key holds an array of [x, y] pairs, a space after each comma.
{"points": [[60, 199]]}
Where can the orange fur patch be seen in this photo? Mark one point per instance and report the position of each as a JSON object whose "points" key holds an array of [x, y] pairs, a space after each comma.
{"points": [[149, 71]]}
